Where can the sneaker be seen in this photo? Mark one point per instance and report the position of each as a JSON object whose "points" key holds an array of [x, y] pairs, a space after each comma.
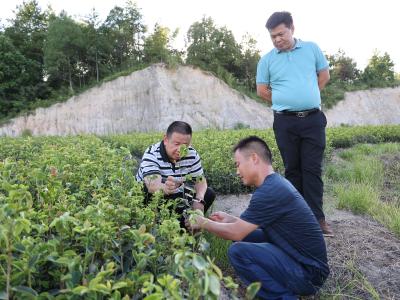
{"points": [[326, 229]]}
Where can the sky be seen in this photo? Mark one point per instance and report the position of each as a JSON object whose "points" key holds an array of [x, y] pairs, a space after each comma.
{"points": [[357, 27]]}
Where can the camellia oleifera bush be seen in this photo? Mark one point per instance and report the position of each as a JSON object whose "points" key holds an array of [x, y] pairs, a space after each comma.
{"points": [[215, 148], [73, 225]]}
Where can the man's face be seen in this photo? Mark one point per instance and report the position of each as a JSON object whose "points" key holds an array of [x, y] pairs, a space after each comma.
{"points": [[245, 168], [282, 37], [173, 143]]}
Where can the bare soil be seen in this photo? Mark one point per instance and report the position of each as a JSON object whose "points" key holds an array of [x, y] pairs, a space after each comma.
{"points": [[364, 256]]}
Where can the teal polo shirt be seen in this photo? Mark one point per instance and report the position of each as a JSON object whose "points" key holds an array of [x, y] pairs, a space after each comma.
{"points": [[292, 75]]}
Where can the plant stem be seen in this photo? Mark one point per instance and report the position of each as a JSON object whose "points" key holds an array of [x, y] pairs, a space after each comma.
{"points": [[9, 266]]}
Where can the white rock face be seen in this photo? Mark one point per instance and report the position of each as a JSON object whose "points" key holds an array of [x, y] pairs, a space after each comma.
{"points": [[147, 100], [370, 107]]}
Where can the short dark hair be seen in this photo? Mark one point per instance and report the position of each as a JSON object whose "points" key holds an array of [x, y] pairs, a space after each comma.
{"points": [[256, 145], [278, 18], [179, 127]]}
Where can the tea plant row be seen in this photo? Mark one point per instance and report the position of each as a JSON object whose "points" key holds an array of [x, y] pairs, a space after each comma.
{"points": [[215, 148], [73, 225]]}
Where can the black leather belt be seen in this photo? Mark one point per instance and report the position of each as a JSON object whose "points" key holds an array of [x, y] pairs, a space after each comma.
{"points": [[300, 114]]}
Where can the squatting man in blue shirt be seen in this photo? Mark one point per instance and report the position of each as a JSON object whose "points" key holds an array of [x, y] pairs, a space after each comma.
{"points": [[278, 240]]}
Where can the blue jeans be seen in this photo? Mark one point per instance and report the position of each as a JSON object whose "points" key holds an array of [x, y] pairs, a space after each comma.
{"points": [[255, 259]]}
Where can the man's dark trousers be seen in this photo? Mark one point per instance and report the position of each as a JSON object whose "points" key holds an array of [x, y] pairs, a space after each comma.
{"points": [[255, 259], [301, 142]]}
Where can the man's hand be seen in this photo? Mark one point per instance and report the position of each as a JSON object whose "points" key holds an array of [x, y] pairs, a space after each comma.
{"points": [[195, 220], [265, 92], [171, 185]]}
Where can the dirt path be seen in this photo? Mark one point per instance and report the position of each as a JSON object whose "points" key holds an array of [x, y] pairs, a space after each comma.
{"points": [[364, 256]]}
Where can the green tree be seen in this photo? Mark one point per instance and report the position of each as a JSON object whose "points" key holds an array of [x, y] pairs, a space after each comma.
{"points": [[249, 61], [123, 30], [343, 68], [13, 75], [200, 45], [380, 71], [157, 47], [64, 49], [93, 43], [27, 32], [213, 48]]}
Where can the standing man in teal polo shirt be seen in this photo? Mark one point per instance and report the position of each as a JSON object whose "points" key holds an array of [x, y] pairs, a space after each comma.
{"points": [[290, 77]]}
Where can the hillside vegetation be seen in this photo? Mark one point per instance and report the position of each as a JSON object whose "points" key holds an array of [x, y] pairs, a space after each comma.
{"points": [[47, 58]]}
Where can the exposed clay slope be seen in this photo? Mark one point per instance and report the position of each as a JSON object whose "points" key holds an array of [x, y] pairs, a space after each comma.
{"points": [[147, 100]]}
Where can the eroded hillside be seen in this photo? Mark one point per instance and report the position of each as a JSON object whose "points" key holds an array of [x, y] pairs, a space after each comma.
{"points": [[150, 99]]}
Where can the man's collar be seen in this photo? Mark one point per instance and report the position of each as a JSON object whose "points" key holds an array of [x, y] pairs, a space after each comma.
{"points": [[297, 44], [163, 153]]}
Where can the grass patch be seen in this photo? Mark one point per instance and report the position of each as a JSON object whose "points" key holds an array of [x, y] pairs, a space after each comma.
{"points": [[219, 250], [365, 175], [358, 198], [356, 169], [348, 283]]}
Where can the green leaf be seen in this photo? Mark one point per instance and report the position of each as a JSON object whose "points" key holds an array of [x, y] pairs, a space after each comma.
{"points": [[80, 290], [215, 286], [119, 285], [156, 296], [206, 284], [252, 290], [217, 270], [142, 264], [116, 296], [102, 288], [25, 290], [22, 225], [32, 261], [63, 261], [199, 262]]}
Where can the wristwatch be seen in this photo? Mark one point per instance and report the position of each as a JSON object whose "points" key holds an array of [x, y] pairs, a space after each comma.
{"points": [[199, 200]]}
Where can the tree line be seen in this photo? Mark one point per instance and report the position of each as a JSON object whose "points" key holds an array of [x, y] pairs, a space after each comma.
{"points": [[45, 57]]}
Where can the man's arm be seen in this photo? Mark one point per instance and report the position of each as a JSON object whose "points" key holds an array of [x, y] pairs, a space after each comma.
{"points": [[201, 188], [223, 217], [265, 92], [235, 231], [323, 78]]}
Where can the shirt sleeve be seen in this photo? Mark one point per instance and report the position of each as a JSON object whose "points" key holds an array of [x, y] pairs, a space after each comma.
{"points": [[262, 71], [196, 170], [149, 165], [321, 63]]}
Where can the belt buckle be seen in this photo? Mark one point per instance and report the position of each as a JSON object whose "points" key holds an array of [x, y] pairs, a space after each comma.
{"points": [[301, 114]]}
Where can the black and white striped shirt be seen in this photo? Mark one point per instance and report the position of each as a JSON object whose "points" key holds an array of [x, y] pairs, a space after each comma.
{"points": [[155, 161]]}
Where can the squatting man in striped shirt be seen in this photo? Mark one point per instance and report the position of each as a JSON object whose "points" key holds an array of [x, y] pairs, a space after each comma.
{"points": [[163, 169]]}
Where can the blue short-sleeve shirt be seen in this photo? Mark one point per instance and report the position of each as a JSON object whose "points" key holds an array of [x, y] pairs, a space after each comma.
{"points": [[279, 209], [293, 76]]}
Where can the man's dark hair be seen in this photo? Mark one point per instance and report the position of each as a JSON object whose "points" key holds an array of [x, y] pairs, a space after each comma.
{"points": [[279, 17], [179, 127], [253, 144]]}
